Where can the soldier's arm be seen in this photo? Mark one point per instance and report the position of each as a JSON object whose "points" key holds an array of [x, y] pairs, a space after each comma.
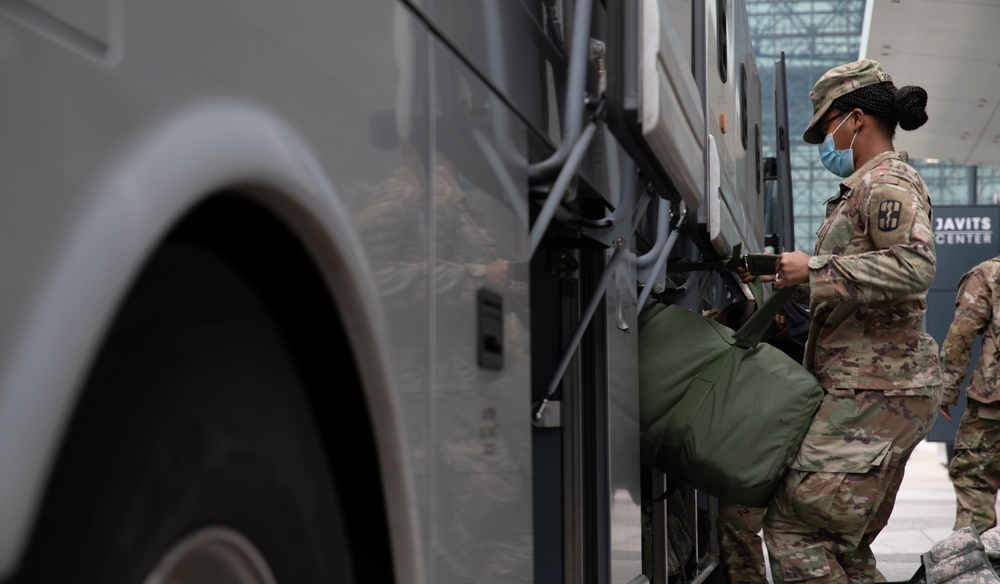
{"points": [[973, 311], [903, 262]]}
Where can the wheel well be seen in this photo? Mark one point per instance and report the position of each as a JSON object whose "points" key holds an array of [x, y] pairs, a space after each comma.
{"points": [[265, 250]]}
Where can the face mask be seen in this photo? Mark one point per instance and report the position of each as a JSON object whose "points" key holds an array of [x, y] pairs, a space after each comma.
{"points": [[839, 162]]}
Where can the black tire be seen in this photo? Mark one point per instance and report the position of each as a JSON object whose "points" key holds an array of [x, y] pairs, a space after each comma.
{"points": [[193, 417]]}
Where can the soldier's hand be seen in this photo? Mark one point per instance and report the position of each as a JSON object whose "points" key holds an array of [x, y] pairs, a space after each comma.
{"points": [[746, 277], [946, 412], [792, 269]]}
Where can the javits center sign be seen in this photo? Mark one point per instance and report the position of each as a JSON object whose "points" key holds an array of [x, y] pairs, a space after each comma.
{"points": [[963, 230], [963, 237]]}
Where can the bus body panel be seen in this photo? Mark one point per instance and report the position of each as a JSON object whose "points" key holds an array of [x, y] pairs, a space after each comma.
{"points": [[479, 443], [136, 200], [393, 138], [310, 131], [505, 43]]}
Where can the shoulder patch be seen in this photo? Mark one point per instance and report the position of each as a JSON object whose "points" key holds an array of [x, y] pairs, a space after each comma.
{"points": [[888, 214]]}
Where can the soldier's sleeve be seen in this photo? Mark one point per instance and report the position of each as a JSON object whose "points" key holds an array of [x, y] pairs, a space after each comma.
{"points": [[801, 294], [897, 220], [973, 311]]}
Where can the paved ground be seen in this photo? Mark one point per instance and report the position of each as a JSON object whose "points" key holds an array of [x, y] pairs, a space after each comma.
{"points": [[924, 513]]}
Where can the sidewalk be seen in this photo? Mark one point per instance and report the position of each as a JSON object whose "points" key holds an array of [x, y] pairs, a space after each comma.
{"points": [[924, 513]]}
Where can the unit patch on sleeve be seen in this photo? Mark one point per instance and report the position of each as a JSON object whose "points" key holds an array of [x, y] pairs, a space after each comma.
{"points": [[888, 215]]}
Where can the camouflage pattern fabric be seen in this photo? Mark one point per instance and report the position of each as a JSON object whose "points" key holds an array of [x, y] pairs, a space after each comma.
{"points": [[975, 468], [841, 487], [740, 547], [680, 545], [868, 279], [961, 558], [978, 293], [838, 82], [680, 539], [869, 275], [964, 557], [991, 541]]}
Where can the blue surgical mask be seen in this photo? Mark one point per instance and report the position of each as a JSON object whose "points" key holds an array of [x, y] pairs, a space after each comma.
{"points": [[839, 162]]}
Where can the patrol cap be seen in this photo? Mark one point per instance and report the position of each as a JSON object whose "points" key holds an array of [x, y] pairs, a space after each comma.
{"points": [[837, 82]]}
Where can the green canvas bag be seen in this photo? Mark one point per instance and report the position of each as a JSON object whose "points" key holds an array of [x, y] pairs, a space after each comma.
{"points": [[719, 410]]}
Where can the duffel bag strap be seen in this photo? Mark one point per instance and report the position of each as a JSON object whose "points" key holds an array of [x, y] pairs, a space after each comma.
{"points": [[757, 290], [754, 329]]}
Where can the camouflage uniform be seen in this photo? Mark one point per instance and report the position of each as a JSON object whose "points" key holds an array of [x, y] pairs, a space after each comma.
{"points": [[740, 548], [975, 468], [868, 279]]}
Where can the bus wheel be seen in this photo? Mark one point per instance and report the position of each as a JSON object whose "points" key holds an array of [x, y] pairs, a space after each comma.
{"points": [[192, 455], [226, 555]]}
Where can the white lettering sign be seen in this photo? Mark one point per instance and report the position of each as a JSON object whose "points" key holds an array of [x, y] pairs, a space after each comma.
{"points": [[963, 230]]}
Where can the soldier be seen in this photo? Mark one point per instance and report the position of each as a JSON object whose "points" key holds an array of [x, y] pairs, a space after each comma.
{"points": [[975, 468], [867, 282]]}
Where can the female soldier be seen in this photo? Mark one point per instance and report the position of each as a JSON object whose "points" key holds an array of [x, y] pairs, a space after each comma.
{"points": [[867, 281]]}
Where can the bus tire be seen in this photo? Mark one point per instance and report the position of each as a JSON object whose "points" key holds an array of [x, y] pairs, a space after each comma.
{"points": [[193, 433]]}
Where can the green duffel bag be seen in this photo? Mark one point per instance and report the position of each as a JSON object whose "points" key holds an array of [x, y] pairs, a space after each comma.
{"points": [[719, 410]]}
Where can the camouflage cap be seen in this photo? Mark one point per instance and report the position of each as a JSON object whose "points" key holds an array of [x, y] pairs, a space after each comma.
{"points": [[837, 82]]}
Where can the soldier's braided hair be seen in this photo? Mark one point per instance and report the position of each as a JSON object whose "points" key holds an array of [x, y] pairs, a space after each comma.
{"points": [[906, 106]]}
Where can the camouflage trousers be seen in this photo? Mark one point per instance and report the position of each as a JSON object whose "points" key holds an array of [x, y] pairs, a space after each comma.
{"points": [[975, 468], [740, 548], [841, 486]]}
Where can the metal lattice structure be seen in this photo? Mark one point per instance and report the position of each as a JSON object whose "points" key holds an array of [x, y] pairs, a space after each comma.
{"points": [[957, 184], [815, 36]]}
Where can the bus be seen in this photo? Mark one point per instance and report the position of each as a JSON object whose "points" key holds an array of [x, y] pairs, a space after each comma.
{"points": [[347, 291]]}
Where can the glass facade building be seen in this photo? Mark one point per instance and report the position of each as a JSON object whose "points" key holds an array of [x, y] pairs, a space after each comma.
{"points": [[814, 36]]}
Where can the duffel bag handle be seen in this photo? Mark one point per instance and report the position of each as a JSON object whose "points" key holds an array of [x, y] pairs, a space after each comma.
{"points": [[754, 329]]}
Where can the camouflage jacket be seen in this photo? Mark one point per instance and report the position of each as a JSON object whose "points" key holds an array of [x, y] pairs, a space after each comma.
{"points": [[868, 279], [978, 293]]}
